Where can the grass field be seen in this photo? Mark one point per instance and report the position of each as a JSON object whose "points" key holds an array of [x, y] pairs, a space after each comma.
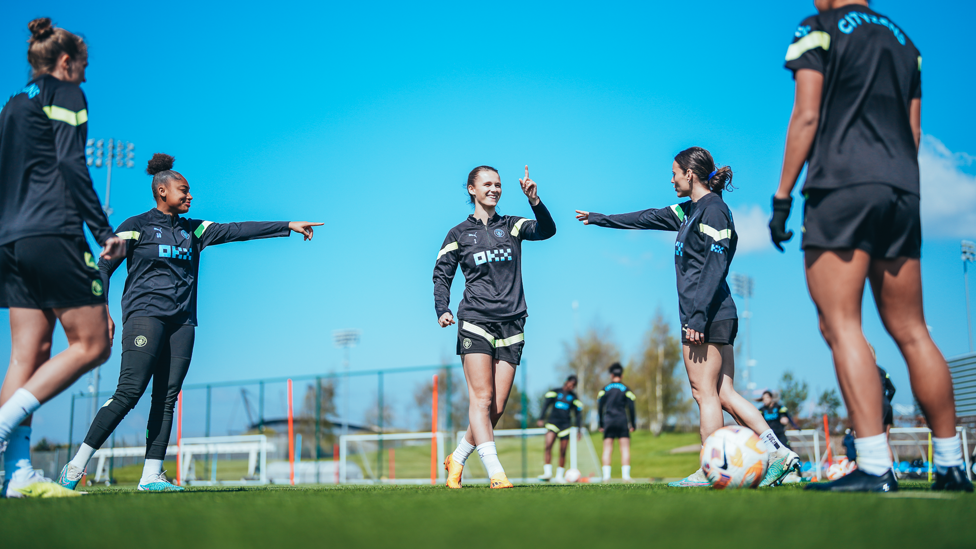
{"points": [[614, 515]]}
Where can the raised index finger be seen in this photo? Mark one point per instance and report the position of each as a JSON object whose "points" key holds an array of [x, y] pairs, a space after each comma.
{"points": [[526, 172]]}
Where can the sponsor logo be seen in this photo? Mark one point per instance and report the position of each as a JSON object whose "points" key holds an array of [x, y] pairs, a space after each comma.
{"points": [[679, 248], [499, 233], [97, 288], [159, 233], [141, 341], [718, 249], [466, 343], [174, 252], [802, 31], [855, 19], [493, 256]]}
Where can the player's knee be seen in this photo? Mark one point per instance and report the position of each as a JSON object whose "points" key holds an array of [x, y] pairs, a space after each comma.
{"points": [[481, 401], [907, 333]]}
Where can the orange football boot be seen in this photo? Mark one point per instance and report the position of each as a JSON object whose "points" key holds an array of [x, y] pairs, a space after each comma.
{"points": [[500, 481], [454, 470]]}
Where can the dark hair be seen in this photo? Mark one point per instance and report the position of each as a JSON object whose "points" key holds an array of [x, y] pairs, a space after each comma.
{"points": [[473, 176], [767, 392], [700, 162], [572, 378], [161, 168], [616, 369], [47, 43]]}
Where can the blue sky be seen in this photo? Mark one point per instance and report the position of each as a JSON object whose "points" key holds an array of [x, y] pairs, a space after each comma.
{"points": [[369, 116]]}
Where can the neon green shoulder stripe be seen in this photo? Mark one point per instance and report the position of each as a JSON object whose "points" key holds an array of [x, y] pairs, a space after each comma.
{"points": [[715, 233], [518, 226], [814, 40], [203, 227], [62, 114], [128, 235], [449, 248]]}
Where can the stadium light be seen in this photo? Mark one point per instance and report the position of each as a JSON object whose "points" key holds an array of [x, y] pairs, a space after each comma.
{"points": [[123, 153], [346, 339], [742, 286], [968, 256]]}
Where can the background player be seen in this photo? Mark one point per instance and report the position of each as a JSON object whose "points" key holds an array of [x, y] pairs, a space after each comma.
{"points": [[777, 416], [703, 251], [488, 247], [618, 418], [159, 315], [563, 402], [47, 272], [857, 121]]}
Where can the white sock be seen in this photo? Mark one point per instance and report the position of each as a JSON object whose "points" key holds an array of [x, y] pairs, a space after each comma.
{"points": [[872, 454], [151, 469], [626, 471], [772, 443], [547, 470], [17, 458], [489, 458], [463, 450], [606, 472], [84, 455], [946, 453], [16, 410], [561, 472]]}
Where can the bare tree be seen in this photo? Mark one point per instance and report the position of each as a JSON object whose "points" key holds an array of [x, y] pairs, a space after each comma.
{"points": [[453, 410], [656, 377], [588, 356]]}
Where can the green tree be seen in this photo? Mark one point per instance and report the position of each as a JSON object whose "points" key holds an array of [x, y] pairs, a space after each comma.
{"points": [[452, 393], [588, 356], [657, 365], [829, 404], [793, 393]]}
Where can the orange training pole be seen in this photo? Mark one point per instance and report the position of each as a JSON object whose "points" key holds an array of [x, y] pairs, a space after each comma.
{"points": [[830, 457], [179, 439], [291, 437], [433, 434], [335, 461]]}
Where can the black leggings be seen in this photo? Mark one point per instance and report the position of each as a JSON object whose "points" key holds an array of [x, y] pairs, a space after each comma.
{"points": [[153, 349]]}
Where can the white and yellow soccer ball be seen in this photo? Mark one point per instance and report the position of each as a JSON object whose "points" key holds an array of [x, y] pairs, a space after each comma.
{"points": [[734, 457], [572, 475]]}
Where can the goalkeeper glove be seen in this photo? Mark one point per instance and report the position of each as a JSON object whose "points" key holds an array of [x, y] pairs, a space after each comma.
{"points": [[777, 225]]}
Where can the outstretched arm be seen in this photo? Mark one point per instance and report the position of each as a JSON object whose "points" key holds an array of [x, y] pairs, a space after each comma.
{"points": [[211, 234], [662, 219]]}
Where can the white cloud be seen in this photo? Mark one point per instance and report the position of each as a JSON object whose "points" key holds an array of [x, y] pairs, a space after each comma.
{"points": [[948, 193], [752, 226]]}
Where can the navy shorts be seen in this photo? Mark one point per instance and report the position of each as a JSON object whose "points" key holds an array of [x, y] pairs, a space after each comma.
{"points": [[719, 332], [501, 340], [49, 272]]}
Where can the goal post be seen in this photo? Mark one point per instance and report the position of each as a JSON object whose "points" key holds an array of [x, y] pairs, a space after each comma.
{"points": [[580, 455]]}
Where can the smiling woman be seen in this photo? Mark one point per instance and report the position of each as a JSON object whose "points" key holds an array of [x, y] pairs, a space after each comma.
{"points": [[488, 248]]}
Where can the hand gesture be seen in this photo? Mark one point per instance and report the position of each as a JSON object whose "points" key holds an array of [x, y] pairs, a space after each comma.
{"points": [[583, 216], [529, 188], [114, 248], [696, 338], [631, 429], [304, 227], [446, 319]]}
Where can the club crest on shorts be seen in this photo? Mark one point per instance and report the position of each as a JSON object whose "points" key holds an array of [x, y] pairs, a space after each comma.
{"points": [[466, 343], [141, 341], [499, 233], [97, 288]]}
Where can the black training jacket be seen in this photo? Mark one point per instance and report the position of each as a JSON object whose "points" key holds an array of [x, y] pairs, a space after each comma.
{"points": [[703, 252], [45, 188], [616, 405], [886, 384], [164, 261], [490, 257], [562, 402]]}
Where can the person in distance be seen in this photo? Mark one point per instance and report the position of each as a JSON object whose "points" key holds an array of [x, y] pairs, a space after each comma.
{"points": [[618, 418], [564, 402]]}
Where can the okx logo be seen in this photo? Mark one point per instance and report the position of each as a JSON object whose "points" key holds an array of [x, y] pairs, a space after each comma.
{"points": [[174, 252], [493, 256], [679, 248]]}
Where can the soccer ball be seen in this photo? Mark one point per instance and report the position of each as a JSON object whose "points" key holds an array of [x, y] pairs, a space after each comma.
{"points": [[733, 457], [573, 475]]}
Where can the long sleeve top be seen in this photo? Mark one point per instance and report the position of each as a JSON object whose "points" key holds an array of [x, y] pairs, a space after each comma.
{"points": [[615, 403], [490, 257], [45, 188], [703, 252], [163, 256], [563, 403]]}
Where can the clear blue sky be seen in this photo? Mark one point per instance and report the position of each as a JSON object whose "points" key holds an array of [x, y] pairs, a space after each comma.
{"points": [[369, 116]]}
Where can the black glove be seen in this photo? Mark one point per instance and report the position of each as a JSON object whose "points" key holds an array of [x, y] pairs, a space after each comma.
{"points": [[777, 225]]}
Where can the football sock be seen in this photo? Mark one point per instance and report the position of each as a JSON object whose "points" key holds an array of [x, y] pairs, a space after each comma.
{"points": [[946, 453], [606, 472], [561, 472], [872, 454], [17, 458], [150, 470], [84, 455], [772, 443], [15, 410], [626, 471], [463, 450], [489, 458], [547, 470]]}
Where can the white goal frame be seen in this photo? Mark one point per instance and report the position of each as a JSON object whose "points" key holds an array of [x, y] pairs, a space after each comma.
{"points": [[573, 449], [346, 440]]}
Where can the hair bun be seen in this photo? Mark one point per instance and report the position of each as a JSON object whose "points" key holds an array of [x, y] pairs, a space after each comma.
{"points": [[160, 163], [40, 28]]}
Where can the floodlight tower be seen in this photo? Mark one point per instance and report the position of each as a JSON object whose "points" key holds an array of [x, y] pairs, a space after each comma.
{"points": [[742, 286], [346, 339], [123, 153], [968, 256]]}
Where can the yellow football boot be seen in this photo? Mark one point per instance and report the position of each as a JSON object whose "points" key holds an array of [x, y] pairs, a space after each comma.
{"points": [[500, 481], [454, 470]]}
